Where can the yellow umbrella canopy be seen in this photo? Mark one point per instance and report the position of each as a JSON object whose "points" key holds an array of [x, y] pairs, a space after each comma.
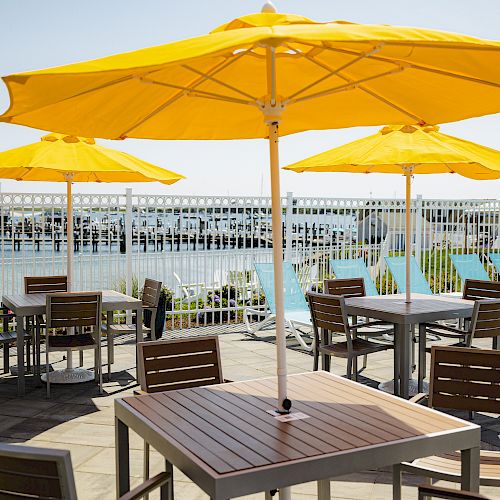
{"points": [[260, 72], [68, 158], [408, 150], [57, 155]]}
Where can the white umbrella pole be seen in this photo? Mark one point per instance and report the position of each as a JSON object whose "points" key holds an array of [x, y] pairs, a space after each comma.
{"points": [[69, 230], [408, 172]]}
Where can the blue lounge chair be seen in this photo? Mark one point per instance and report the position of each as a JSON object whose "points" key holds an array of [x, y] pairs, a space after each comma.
{"points": [[418, 283], [296, 308], [495, 259], [354, 268], [469, 266]]}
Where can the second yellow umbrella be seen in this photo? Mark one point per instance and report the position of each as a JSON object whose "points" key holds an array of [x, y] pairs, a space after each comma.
{"points": [[67, 158], [407, 149]]}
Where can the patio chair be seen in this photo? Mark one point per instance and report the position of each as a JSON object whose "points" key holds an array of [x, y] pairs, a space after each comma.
{"points": [[469, 266], [354, 268], [462, 379], [296, 309], [79, 315], [191, 292], [7, 337], [329, 315], [47, 474], [34, 325], [428, 492], [150, 299], [166, 365], [397, 267]]}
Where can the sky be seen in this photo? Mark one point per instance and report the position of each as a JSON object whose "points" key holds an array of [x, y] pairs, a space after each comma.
{"points": [[37, 34]]}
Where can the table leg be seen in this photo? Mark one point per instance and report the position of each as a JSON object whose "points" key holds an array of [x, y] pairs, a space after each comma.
{"points": [[110, 342], [286, 493], [21, 388], [122, 458], [167, 490], [324, 489], [397, 367], [470, 469], [37, 347], [422, 334], [405, 332], [138, 335]]}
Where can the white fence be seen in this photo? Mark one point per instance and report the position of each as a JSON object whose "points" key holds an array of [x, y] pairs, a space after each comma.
{"points": [[196, 245]]}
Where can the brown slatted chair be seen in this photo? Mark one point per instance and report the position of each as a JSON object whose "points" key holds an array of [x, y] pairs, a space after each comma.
{"points": [[8, 337], [41, 284], [47, 474], [328, 314], [461, 379], [150, 300], [166, 365], [79, 314]]}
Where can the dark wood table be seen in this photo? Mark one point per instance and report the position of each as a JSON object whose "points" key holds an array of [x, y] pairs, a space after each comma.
{"points": [[33, 304], [225, 441], [394, 309]]}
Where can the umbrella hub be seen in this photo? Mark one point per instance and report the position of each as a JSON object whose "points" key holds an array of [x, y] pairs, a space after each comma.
{"points": [[272, 110], [68, 139], [409, 129]]}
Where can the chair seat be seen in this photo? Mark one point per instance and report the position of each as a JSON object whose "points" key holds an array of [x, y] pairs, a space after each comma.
{"points": [[449, 463], [360, 347], [71, 341], [117, 329]]}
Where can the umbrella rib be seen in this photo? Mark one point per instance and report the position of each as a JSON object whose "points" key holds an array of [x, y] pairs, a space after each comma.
{"points": [[332, 72], [364, 89], [216, 69], [216, 80], [341, 88], [407, 64]]}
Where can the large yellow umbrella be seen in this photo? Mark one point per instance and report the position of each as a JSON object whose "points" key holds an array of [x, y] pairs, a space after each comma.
{"points": [[68, 158], [407, 149], [260, 72]]}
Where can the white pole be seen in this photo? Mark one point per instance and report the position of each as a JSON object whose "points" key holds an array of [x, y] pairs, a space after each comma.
{"points": [[408, 172], [69, 230], [128, 247]]}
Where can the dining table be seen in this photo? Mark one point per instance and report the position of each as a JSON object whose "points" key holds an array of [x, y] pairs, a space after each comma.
{"points": [[24, 305], [228, 439], [405, 316]]}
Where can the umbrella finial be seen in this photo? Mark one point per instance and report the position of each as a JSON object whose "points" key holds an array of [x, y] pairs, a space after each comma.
{"points": [[268, 8]]}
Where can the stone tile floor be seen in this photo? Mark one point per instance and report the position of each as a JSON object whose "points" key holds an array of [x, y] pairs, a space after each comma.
{"points": [[77, 418]]}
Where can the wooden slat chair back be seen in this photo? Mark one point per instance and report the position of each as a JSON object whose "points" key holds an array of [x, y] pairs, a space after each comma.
{"points": [[346, 287], [328, 313], [76, 309], [36, 473], [485, 321], [45, 284], [480, 289], [166, 365], [465, 379], [151, 293]]}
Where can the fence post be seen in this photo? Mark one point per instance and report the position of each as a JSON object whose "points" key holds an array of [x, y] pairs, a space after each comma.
{"points": [[288, 226], [418, 229], [128, 246]]}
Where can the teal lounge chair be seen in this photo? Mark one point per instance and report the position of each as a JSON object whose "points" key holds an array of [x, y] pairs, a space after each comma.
{"points": [[397, 266], [469, 266], [495, 259], [296, 309], [354, 268]]}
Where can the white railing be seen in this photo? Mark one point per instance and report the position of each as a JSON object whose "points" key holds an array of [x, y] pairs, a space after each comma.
{"points": [[198, 244]]}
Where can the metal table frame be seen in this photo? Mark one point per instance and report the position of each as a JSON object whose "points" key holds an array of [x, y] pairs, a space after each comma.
{"points": [[321, 468], [393, 309], [25, 305]]}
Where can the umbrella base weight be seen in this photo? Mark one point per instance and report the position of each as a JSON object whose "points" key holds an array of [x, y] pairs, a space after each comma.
{"points": [[412, 387], [69, 376]]}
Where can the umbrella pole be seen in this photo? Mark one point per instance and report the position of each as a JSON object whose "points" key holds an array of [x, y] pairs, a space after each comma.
{"points": [[408, 233], [69, 230]]}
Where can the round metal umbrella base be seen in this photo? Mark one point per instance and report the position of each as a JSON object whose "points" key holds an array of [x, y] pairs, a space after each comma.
{"points": [[69, 376], [412, 387]]}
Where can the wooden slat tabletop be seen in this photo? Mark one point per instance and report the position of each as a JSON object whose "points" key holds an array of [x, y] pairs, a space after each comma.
{"points": [[227, 428], [422, 308]]}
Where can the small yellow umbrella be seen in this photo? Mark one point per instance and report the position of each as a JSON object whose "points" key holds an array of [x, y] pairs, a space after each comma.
{"points": [[67, 158], [261, 76], [407, 149]]}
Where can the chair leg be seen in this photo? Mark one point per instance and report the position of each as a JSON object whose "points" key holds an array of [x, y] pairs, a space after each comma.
{"points": [[349, 368], [146, 465], [6, 360], [355, 367], [81, 358], [28, 354], [109, 339], [47, 378], [316, 360], [365, 361]]}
